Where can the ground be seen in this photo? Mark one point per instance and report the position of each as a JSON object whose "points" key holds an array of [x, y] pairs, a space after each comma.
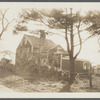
{"points": [[15, 83], [83, 85]]}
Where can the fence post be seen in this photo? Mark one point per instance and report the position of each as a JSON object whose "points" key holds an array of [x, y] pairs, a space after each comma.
{"points": [[90, 77]]}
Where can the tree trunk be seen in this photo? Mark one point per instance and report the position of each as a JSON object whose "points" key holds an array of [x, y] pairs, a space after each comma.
{"points": [[72, 70]]}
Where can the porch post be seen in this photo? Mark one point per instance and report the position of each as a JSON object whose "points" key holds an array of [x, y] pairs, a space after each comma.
{"points": [[61, 61]]}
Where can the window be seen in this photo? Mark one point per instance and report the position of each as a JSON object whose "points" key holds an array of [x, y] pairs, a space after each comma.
{"points": [[84, 65]]}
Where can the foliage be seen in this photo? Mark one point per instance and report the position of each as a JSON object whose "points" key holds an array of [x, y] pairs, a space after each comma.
{"points": [[29, 14], [5, 53], [48, 73], [6, 68], [93, 21], [20, 28], [80, 85], [29, 58]]}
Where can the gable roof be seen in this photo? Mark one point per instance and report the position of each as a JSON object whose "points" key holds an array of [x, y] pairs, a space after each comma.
{"points": [[59, 49], [34, 41]]}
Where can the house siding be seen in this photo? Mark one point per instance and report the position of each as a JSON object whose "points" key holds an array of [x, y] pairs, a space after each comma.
{"points": [[79, 66], [23, 52]]}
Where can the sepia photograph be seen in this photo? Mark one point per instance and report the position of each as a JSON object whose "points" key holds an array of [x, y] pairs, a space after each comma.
{"points": [[49, 47]]}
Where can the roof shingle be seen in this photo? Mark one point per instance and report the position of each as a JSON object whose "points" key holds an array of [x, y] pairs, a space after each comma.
{"points": [[35, 41]]}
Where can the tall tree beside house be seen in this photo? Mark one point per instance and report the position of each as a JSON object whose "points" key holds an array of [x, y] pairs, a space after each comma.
{"points": [[4, 22], [59, 19]]}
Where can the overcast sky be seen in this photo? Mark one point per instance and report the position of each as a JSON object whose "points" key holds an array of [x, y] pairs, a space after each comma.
{"points": [[90, 48]]}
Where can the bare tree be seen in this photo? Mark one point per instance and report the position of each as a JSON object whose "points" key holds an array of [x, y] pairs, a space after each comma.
{"points": [[4, 22]]}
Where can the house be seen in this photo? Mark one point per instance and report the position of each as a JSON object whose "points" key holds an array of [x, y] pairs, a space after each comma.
{"points": [[81, 65], [32, 48], [60, 59], [96, 69], [55, 54]]}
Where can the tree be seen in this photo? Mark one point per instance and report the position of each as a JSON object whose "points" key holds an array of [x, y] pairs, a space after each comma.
{"points": [[4, 22], [92, 20], [69, 24], [6, 53]]}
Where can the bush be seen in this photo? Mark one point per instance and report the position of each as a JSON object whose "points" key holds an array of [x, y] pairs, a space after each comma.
{"points": [[6, 68], [51, 73], [45, 72]]}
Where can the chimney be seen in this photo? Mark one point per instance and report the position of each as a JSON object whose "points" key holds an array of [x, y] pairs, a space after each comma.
{"points": [[42, 38]]}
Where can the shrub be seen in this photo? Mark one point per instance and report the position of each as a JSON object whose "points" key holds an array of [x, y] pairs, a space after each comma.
{"points": [[6, 68], [4, 62], [44, 72], [51, 73]]}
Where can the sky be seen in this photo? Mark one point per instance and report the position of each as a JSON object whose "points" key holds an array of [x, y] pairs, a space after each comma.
{"points": [[89, 49]]}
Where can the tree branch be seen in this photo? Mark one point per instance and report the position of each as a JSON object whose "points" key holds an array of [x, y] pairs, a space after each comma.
{"points": [[2, 23], [5, 28], [3, 17], [2, 20], [85, 40], [66, 35], [41, 20], [80, 40], [71, 34]]}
